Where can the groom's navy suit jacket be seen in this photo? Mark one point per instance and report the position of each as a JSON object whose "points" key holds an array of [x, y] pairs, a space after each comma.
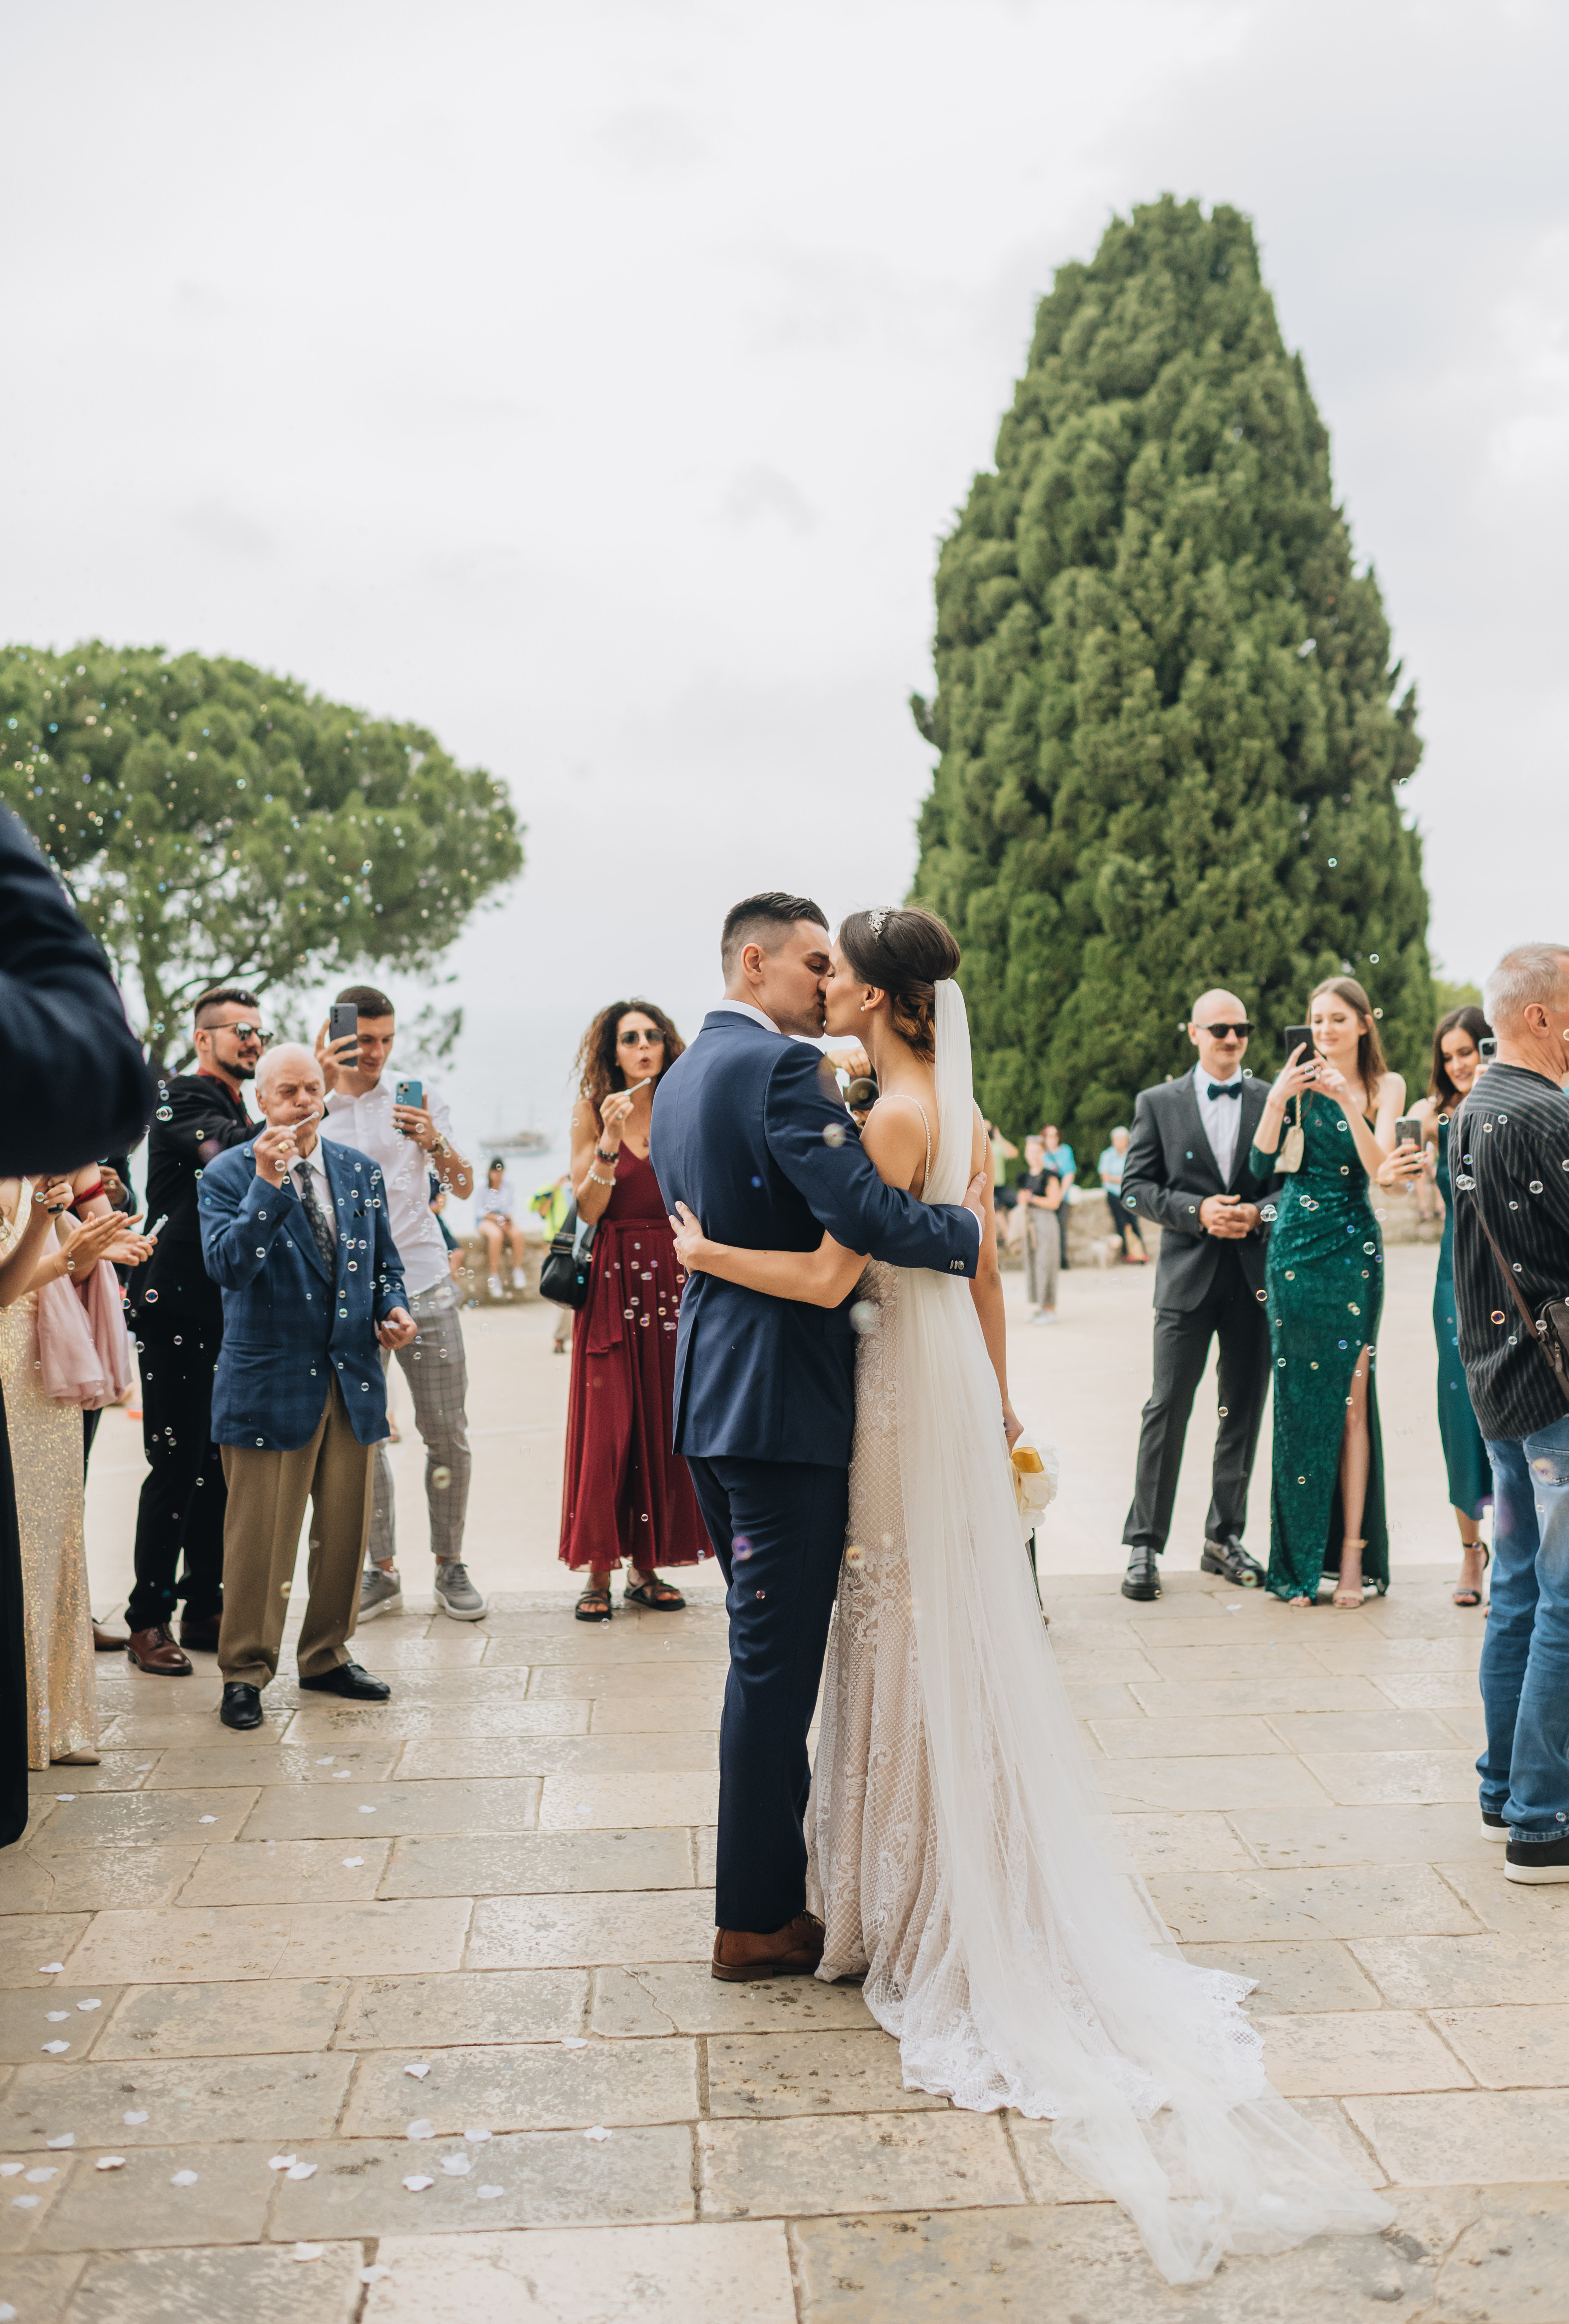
{"points": [[739, 1135]]}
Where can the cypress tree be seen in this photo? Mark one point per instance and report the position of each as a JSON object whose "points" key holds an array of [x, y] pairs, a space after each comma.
{"points": [[1171, 746]]}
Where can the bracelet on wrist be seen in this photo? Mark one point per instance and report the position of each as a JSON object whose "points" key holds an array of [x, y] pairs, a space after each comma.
{"points": [[594, 1179], [599, 1155]]}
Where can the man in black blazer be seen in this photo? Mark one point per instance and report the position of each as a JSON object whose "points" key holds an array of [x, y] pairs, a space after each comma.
{"points": [[177, 1312], [1186, 1169], [75, 1088]]}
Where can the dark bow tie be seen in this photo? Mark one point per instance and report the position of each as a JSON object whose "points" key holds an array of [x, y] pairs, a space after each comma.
{"points": [[1225, 1089]]}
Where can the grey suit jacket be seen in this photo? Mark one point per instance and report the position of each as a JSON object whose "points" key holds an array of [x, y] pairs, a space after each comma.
{"points": [[1170, 1169]]}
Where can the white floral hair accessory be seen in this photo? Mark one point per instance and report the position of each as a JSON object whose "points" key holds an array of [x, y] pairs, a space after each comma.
{"points": [[880, 921]]}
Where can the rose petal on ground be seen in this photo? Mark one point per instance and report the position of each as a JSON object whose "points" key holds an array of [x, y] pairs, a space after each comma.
{"points": [[419, 2072], [302, 2171], [374, 2272], [309, 2251], [474, 2136], [66, 2138], [281, 2162], [55, 2049], [183, 2178], [420, 2129], [89, 2004], [598, 2131], [489, 2194], [573, 2042], [110, 2163], [457, 2166], [134, 2114], [417, 2186]]}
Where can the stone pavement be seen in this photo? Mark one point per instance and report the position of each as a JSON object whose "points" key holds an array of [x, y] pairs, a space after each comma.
{"points": [[460, 1940]]}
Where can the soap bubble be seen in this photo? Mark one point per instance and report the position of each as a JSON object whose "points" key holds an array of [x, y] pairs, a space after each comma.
{"points": [[741, 1547], [1498, 1315], [864, 1316], [834, 1133], [441, 1478]]}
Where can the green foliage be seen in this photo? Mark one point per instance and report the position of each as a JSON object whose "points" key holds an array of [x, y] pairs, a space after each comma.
{"points": [[1447, 996], [1171, 757], [216, 824]]}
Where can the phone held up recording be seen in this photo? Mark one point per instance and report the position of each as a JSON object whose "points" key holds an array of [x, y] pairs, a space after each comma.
{"points": [[409, 1093], [344, 1025]]}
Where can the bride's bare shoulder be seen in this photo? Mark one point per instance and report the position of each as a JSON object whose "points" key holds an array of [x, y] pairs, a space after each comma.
{"points": [[896, 1137]]}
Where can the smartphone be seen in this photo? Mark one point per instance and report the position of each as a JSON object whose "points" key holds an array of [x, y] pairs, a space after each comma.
{"points": [[1300, 1036], [344, 1024], [1487, 1047], [1409, 1125], [409, 1093]]}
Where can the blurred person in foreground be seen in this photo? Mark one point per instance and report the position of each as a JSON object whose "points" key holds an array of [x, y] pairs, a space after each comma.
{"points": [[296, 1230], [51, 1368], [75, 1086], [1512, 1259], [410, 1143], [1186, 1169], [625, 1492], [177, 1312], [1456, 1060]]}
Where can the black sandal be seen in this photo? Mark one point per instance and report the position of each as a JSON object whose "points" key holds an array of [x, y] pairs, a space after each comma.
{"points": [[1473, 1597], [594, 1605], [642, 1595]]}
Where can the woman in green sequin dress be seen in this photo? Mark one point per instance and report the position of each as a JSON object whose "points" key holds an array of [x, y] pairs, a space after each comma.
{"points": [[1457, 1057], [1323, 1283]]}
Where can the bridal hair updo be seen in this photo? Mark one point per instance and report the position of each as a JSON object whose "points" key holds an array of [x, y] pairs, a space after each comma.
{"points": [[906, 950]]}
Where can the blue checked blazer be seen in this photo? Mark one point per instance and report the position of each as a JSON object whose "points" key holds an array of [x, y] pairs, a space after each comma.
{"points": [[286, 1330]]}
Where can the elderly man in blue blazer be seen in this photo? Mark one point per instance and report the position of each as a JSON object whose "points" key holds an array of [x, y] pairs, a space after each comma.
{"points": [[295, 1232], [748, 1134]]}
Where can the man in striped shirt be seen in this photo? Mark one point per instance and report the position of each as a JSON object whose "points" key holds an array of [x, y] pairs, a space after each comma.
{"points": [[1511, 1176]]}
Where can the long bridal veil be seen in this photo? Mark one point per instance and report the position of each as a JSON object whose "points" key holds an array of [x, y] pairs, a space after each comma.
{"points": [[1039, 1984]]}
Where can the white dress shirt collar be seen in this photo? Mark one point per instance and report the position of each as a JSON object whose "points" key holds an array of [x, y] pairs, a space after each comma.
{"points": [[746, 1009]]}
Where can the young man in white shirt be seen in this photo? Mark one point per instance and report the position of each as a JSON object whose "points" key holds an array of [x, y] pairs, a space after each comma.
{"points": [[410, 1142]]}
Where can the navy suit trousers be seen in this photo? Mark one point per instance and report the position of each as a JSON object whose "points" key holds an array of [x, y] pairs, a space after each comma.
{"points": [[778, 1531]]}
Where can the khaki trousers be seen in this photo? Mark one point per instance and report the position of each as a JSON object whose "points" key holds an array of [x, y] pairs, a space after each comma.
{"points": [[267, 1492]]}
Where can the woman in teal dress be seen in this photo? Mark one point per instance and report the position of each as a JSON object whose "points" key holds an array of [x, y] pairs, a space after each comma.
{"points": [[1324, 1286], [1457, 1058]]}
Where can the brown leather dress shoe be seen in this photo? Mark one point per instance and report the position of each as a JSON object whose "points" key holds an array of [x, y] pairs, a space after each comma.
{"points": [[201, 1637], [108, 1642], [155, 1652], [739, 1955]]}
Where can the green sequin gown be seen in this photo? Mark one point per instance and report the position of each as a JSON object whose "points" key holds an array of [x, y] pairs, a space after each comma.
{"points": [[1324, 1281], [1469, 1471]]}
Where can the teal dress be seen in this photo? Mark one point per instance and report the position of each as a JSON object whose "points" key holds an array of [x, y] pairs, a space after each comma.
{"points": [[1324, 1286], [1464, 1453]]}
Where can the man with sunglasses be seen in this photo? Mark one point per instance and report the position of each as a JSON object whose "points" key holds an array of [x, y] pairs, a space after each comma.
{"points": [[1186, 1169], [177, 1314]]}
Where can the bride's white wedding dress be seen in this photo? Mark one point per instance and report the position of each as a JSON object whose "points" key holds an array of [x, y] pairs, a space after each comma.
{"points": [[962, 1855]]}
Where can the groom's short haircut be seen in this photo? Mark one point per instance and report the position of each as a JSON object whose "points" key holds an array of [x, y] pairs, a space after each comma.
{"points": [[756, 919]]}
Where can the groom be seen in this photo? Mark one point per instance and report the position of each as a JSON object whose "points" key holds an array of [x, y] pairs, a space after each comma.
{"points": [[750, 1133]]}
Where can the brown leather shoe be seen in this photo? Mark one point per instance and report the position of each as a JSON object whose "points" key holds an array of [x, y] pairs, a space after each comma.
{"points": [[739, 1955], [108, 1642], [201, 1637], [155, 1652]]}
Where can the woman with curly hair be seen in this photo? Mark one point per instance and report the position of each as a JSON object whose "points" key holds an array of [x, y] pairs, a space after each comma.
{"points": [[624, 1494]]}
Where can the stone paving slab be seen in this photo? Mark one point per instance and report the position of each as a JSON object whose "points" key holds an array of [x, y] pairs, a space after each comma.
{"points": [[527, 1927]]}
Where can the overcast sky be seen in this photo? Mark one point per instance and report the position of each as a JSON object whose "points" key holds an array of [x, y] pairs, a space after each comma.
{"points": [[595, 383]]}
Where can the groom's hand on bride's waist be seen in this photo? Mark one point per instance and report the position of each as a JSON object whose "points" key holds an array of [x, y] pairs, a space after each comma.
{"points": [[975, 1200]]}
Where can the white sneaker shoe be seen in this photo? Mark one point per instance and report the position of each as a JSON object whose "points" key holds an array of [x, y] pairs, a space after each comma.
{"points": [[493, 1286], [519, 1280]]}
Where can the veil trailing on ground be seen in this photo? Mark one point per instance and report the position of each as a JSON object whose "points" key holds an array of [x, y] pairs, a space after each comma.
{"points": [[1039, 1984]]}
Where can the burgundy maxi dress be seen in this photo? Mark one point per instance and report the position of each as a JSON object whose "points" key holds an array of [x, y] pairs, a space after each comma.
{"points": [[624, 1494]]}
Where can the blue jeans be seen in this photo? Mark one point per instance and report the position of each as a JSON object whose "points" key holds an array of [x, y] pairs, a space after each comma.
{"points": [[1525, 1653]]}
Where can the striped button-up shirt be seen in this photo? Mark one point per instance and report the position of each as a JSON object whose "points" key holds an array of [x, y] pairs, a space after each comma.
{"points": [[1509, 1152]]}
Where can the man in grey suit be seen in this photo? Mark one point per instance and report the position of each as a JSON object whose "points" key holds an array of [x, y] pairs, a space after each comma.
{"points": [[1186, 1169]]}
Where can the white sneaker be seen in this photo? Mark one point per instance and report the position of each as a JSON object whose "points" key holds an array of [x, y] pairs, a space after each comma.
{"points": [[380, 1592], [493, 1286], [1046, 1315], [519, 1280]]}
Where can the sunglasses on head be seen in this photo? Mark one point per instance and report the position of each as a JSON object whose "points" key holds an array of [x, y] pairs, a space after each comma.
{"points": [[636, 1040], [1221, 1029]]}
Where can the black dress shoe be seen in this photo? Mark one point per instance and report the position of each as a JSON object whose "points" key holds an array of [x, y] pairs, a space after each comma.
{"points": [[241, 1705], [1142, 1578], [349, 1679], [1228, 1557]]}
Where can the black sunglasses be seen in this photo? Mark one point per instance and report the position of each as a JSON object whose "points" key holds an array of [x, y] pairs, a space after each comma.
{"points": [[1221, 1030], [636, 1040], [241, 1032]]}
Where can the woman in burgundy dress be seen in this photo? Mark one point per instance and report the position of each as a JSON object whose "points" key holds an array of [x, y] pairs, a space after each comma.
{"points": [[625, 1493]]}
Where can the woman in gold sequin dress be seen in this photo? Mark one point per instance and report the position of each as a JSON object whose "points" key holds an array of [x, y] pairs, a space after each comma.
{"points": [[46, 1455]]}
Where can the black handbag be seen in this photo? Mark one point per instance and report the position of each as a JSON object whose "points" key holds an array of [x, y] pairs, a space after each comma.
{"points": [[569, 1263]]}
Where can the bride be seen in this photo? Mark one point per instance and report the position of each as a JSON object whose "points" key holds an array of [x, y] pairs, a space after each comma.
{"points": [[963, 1858]]}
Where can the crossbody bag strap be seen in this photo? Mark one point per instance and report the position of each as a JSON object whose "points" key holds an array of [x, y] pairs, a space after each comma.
{"points": [[1536, 1329]]}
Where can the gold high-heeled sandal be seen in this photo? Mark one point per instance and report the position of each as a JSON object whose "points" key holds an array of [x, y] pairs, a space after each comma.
{"points": [[1343, 1596]]}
